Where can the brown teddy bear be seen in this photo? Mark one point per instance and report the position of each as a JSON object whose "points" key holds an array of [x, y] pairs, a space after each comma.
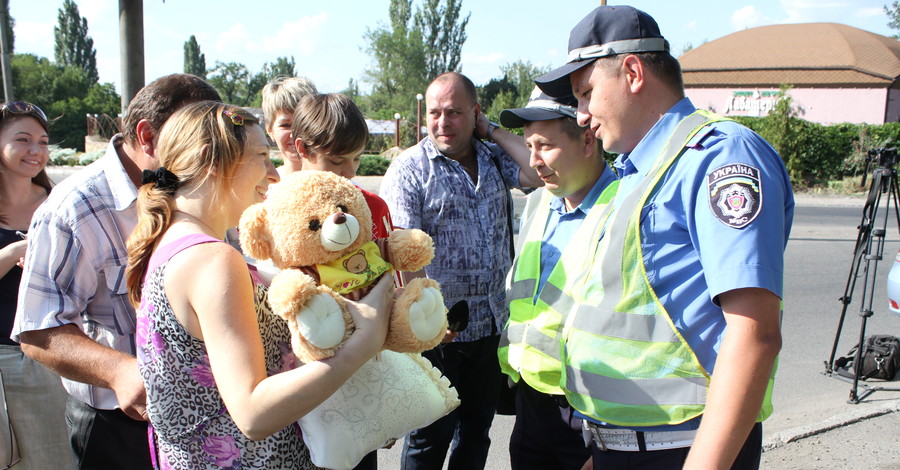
{"points": [[316, 227]]}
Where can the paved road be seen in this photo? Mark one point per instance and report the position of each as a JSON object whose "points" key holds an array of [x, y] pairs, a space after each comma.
{"points": [[813, 426]]}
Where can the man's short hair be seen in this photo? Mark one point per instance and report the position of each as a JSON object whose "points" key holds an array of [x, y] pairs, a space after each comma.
{"points": [[330, 123], [467, 84], [661, 64], [158, 100], [282, 94]]}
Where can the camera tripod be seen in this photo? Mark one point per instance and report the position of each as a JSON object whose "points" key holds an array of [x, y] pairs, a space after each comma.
{"points": [[866, 255]]}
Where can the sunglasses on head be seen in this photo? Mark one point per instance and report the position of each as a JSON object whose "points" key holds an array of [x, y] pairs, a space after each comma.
{"points": [[23, 108]]}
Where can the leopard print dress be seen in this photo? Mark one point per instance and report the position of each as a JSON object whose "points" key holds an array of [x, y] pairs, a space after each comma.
{"points": [[190, 426]]}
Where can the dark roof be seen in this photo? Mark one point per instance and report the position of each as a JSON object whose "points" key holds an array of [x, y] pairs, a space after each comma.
{"points": [[818, 54]]}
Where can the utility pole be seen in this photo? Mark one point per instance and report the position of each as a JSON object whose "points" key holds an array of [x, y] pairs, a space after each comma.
{"points": [[4, 59], [131, 52]]}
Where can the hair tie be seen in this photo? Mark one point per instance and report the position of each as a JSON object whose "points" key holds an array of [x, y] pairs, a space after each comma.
{"points": [[162, 178]]}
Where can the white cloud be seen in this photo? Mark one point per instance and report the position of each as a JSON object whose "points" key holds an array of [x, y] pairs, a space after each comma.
{"points": [[34, 37], [691, 25], [870, 12], [233, 41], [810, 11], [748, 17], [303, 36]]}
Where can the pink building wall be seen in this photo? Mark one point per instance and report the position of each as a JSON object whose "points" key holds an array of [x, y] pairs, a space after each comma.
{"points": [[822, 105]]}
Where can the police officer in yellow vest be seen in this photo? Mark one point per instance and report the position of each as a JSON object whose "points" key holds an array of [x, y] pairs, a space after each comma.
{"points": [[556, 225], [670, 350]]}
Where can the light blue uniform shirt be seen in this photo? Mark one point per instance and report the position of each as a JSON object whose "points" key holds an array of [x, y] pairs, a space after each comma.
{"points": [[691, 255], [561, 225]]}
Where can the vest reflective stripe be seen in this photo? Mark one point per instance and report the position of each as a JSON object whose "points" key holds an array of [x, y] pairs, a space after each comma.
{"points": [[649, 328], [521, 289], [530, 344], [515, 333], [621, 366], [666, 391]]}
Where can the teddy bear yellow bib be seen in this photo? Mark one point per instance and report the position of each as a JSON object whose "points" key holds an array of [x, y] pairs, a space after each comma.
{"points": [[353, 270]]}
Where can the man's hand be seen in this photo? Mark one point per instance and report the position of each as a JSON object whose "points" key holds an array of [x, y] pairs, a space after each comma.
{"points": [[68, 352], [130, 391], [482, 126]]}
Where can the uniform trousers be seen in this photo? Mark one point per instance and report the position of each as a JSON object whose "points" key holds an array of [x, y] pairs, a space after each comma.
{"points": [[547, 435]]}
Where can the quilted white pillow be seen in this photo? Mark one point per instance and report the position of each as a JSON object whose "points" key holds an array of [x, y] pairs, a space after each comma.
{"points": [[389, 396]]}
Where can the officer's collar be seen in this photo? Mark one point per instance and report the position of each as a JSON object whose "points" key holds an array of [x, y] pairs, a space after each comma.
{"points": [[651, 146]]}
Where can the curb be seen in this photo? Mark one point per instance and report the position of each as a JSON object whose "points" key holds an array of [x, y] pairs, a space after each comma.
{"points": [[801, 432]]}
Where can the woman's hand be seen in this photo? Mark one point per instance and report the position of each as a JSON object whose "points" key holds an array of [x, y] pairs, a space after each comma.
{"points": [[372, 313]]}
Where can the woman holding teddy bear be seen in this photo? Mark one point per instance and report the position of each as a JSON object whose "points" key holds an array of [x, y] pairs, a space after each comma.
{"points": [[217, 367]]}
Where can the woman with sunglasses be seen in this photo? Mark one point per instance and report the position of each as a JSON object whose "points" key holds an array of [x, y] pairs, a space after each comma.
{"points": [[216, 363], [35, 398]]}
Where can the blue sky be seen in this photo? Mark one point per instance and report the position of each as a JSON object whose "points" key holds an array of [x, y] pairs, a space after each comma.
{"points": [[326, 37]]}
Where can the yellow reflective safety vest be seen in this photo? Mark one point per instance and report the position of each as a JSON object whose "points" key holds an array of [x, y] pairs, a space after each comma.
{"points": [[625, 362], [530, 343]]}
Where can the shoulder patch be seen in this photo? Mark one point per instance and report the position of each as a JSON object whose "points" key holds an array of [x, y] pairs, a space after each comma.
{"points": [[735, 194]]}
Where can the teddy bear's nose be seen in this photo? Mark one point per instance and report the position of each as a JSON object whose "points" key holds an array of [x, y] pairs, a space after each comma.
{"points": [[339, 218]]}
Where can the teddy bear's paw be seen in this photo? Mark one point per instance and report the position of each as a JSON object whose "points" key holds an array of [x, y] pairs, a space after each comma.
{"points": [[321, 321], [427, 315]]}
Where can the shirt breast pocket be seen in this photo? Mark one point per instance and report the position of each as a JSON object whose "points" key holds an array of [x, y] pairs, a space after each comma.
{"points": [[121, 318]]}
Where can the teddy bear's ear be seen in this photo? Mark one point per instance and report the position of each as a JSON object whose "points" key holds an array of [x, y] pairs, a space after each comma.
{"points": [[254, 234]]}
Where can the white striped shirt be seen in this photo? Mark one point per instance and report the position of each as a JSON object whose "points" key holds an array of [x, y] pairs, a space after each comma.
{"points": [[75, 265]]}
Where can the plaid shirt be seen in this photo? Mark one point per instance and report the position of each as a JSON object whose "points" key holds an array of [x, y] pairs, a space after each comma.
{"points": [[75, 265], [467, 221]]}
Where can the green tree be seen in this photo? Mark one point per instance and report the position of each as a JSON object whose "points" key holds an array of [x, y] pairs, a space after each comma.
{"points": [[397, 74], [352, 90], [282, 67], [493, 88], [522, 75], [893, 13], [398, 53], [73, 46], [64, 93], [516, 84], [787, 133], [504, 100], [443, 34], [231, 80], [10, 25], [194, 60]]}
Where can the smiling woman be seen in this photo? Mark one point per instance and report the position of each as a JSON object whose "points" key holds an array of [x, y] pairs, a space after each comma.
{"points": [[35, 398]]}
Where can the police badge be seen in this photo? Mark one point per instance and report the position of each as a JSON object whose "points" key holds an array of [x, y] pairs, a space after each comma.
{"points": [[735, 195]]}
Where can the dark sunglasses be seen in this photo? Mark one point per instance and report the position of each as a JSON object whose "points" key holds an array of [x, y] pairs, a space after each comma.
{"points": [[23, 108]]}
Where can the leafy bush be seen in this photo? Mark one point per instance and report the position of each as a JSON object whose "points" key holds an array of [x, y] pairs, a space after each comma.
{"points": [[372, 165], [62, 156], [88, 158]]}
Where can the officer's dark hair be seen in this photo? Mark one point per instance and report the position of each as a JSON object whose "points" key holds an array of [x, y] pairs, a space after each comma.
{"points": [[661, 64]]}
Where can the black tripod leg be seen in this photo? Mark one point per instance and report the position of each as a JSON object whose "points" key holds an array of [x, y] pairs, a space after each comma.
{"points": [[884, 181], [863, 239]]}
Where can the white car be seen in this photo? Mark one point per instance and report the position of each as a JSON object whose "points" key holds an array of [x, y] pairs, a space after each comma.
{"points": [[893, 286]]}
